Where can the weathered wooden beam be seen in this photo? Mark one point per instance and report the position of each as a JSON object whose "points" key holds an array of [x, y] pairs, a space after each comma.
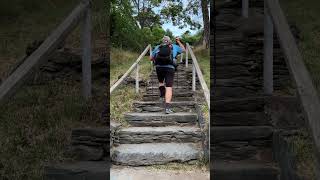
{"points": [[40, 56], [193, 78], [137, 78], [115, 85], [268, 53], [200, 76], [306, 90], [86, 56], [186, 57], [245, 8]]}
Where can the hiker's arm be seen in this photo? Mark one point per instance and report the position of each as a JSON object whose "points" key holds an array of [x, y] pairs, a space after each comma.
{"points": [[181, 45]]}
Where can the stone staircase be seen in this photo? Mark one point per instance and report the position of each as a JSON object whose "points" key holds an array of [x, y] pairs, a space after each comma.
{"points": [[241, 147], [154, 137]]}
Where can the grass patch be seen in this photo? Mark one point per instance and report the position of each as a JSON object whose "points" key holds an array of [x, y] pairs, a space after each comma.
{"points": [[35, 127], [181, 167], [305, 15], [23, 22], [203, 57], [304, 152], [122, 98]]}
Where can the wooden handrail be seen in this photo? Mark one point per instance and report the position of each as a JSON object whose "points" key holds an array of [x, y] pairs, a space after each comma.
{"points": [[134, 65], [39, 56], [200, 75], [306, 90]]}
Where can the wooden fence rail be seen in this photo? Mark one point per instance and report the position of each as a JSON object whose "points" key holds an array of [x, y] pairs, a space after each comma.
{"points": [[40, 56], [306, 90], [135, 65], [197, 71]]}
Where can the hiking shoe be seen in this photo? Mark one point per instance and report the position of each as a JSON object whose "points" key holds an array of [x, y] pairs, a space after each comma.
{"points": [[168, 111]]}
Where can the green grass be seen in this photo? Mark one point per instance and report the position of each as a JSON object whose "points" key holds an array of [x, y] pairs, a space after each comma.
{"points": [[22, 22], [122, 98], [305, 15], [203, 57], [35, 127], [36, 124], [303, 150]]}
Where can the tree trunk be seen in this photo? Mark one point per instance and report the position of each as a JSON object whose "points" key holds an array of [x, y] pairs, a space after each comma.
{"points": [[206, 28]]}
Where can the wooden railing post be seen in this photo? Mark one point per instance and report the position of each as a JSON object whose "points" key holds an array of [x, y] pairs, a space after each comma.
{"points": [[86, 56], [268, 53], [137, 78], [150, 55], [245, 8], [187, 56], [193, 78]]}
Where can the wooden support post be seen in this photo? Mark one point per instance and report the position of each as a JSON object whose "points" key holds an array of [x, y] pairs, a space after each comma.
{"points": [[86, 56], [193, 78], [187, 55], [268, 54], [245, 8], [150, 55], [137, 78]]}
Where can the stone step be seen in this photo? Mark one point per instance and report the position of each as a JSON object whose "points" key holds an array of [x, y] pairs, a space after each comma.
{"points": [[244, 170], [160, 108], [89, 144], [174, 98], [222, 93], [98, 170], [157, 103], [156, 93], [237, 82], [240, 119], [155, 153], [175, 87], [243, 150], [161, 119], [137, 135], [157, 106], [240, 133], [250, 104]]}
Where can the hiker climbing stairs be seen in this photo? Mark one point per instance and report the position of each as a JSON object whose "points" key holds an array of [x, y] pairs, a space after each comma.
{"points": [[241, 147], [154, 137]]}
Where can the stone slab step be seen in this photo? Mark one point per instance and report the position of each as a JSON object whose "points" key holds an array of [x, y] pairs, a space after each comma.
{"points": [[251, 104], [243, 150], [145, 106], [137, 135], [240, 119], [155, 93], [157, 103], [240, 133], [174, 98], [155, 153], [86, 170], [242, 170], [221, 93], [161, 119], [175, 87]]}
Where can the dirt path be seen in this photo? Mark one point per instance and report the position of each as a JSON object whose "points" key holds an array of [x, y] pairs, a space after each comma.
{"points": [[140, 173]]}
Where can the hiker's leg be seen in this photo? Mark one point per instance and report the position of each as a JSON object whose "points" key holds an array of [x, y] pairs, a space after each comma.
{"points": [[168, 94], [161, 77], [169, 84]]}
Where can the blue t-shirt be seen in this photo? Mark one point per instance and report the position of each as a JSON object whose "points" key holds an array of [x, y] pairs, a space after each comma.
{"points": [[176, 50]]}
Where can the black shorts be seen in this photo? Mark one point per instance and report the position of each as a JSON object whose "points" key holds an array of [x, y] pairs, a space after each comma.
{"points": [[165, 75]]}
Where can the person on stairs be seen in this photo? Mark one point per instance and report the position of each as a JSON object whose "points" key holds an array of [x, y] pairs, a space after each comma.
{"points": [[164, 58]]}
